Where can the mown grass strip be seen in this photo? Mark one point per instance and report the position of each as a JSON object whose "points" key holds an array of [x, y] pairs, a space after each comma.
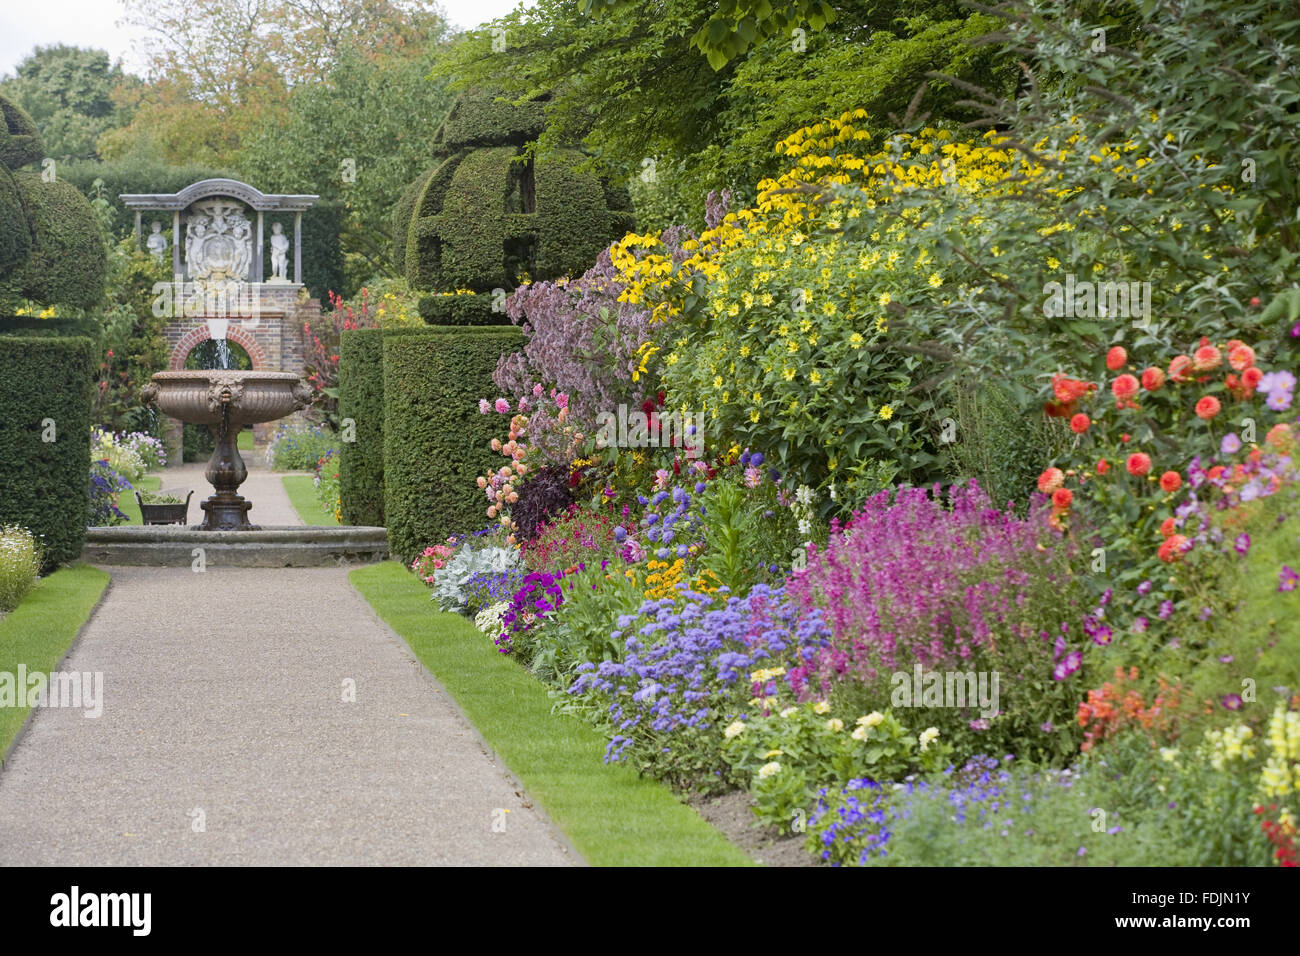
{"points": [[612, 816], [302, 495], [39, 631]]}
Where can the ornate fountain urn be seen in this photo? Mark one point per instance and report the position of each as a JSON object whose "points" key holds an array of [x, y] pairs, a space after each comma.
{"points": [[225, 401]]}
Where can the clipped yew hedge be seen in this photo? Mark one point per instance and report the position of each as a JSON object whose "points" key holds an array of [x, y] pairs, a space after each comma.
{"points": [[45, 386], [361, 399], [67, 259], [435, 441]]}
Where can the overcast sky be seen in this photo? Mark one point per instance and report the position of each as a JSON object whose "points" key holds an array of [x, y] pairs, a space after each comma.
{"points": [[25, 24]]}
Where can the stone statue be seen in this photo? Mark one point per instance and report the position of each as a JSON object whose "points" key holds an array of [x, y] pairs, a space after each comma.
{"points": [[279, 254], [157, 242]]}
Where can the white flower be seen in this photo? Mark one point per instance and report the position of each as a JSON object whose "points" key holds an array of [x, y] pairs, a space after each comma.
{"points": [[928, 736], [835, 725], [805, 526], [805, 495], [859, 733], [871, 719], [768, 769], [1168, 754], [734, 729], [821, 707], [789, 712]]}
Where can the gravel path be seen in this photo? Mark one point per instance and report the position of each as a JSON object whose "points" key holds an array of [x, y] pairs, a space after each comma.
{"points": [[225, 737]]}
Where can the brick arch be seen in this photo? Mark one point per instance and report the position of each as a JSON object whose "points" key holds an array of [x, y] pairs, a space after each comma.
{"points": [[240, 336]]}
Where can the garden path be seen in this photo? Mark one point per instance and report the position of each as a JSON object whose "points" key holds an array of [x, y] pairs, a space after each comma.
{"points": [[225, 737]]}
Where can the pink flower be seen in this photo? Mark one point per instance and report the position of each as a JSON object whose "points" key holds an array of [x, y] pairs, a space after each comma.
{"points": [[502, 406], [538, 390], [562, 399], [661, 479], [483, 406], [753, 477]]}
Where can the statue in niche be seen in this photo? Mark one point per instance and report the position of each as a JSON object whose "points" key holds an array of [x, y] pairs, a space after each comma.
{"points": [[157, 242], [279, 254]]}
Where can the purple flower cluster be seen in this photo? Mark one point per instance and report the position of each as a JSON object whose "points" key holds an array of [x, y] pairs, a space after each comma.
{"points": [[540, 592], [857, 823], [915, 578], [688, 661]]}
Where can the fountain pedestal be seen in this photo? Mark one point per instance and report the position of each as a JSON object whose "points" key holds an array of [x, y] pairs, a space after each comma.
{"points": [[225, 401]]}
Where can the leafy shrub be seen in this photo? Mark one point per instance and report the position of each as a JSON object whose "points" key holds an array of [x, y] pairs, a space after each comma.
{"points": [[20, 565], [298, 447], [326, 482], [44, 381], [147, 447], [785, 757], [544, 496], [450, 581]]}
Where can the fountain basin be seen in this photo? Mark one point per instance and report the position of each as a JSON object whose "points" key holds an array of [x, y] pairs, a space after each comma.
{"points": [[225, 401]]}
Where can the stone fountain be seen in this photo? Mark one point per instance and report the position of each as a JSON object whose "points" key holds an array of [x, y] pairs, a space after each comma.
{"points": [[226, 401]]}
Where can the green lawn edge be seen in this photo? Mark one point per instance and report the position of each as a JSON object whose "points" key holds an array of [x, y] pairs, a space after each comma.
{"points": [[302, 495], [612, 816], [40, 630]]}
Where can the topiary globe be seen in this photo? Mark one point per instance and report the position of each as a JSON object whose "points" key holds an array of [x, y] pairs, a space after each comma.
{"points": [[489, 215]]}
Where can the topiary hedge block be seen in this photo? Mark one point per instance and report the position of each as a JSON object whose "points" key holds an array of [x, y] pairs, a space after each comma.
{"points": [[15, 234], [435, 441], [361, 399], [464, 309], [423, 255], [401, 217], [478, 118], [45, 393], [67, 259], [20, 140]]}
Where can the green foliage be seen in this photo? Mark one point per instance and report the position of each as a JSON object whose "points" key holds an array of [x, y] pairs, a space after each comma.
{"points": [[43, 486], [361, 399], [435, 441], [577, 216], [471, 230], [994, 442], [67, 260], [68, 92], [297, 447], [133, 346], [632, 87], [355, 140], [579, 630]]}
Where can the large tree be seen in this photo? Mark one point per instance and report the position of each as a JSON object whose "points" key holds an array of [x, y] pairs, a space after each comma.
{"points": [[68, 92], [637, 86]]}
